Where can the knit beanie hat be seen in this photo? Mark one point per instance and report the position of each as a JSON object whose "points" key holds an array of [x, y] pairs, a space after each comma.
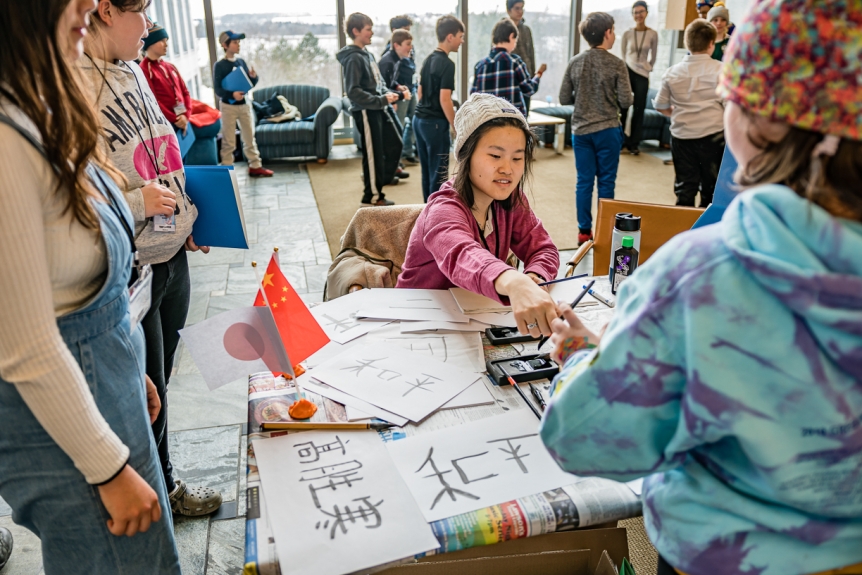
{"points": [[797, 62], [478, 109], [718, 11], [156, 34], [701, 3]]}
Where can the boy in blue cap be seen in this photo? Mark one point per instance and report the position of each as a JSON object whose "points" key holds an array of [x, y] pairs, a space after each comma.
{"points": [[235, 108]]}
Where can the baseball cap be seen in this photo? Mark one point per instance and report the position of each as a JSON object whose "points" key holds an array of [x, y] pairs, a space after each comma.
{"points": [[228, 36]]}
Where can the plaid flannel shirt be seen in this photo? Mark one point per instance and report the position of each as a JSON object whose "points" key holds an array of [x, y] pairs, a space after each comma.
{"points": [[505, 75]]}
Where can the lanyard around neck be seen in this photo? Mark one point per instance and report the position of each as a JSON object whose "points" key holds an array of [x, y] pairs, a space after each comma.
{"points": [[151, 152], [643, 39]]}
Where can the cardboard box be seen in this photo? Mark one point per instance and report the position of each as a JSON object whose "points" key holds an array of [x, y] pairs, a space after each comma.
{"points": [[570, 553]]}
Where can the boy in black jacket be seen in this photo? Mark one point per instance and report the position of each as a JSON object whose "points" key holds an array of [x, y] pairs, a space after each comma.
{"points": [[370, 106], [235, 108]]}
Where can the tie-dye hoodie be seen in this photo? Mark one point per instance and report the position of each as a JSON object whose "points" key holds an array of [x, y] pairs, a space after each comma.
{"points": [[732, 373]]}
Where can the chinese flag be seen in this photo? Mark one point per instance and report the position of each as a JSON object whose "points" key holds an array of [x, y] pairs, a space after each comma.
{"points": [[300, 332]]}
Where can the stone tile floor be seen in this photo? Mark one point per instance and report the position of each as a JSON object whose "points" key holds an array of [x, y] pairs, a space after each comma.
{"points": [[208, 435]]}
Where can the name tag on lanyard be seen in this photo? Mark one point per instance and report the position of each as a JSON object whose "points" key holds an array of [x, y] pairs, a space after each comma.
{"points": [[141, 296], [162, 223]]}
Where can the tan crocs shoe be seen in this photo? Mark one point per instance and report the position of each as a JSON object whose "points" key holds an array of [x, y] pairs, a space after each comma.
{"points": [[194, 501]]}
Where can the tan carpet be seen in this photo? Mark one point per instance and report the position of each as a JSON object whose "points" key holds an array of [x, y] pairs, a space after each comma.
{"points": [[642, 554], [338, 189]]}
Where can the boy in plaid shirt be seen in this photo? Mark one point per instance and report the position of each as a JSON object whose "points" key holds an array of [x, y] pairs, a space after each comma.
{"points": [[504, 74]]}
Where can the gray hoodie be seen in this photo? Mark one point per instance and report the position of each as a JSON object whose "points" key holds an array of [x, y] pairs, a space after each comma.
{"points": [[143, 145], [362, 80]]}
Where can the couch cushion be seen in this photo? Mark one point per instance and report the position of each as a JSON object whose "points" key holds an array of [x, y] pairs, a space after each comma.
{"points": [[284, 133]]}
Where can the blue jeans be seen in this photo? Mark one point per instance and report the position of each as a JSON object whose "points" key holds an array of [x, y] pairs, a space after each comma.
{"points": [[48, 495], [405, 116], [597, 157], [432, 143]]}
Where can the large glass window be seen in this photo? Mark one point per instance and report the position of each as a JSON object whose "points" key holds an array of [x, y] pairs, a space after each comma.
{"points": [[423, 29], [286, 42], [621, 10], [549, 21]]}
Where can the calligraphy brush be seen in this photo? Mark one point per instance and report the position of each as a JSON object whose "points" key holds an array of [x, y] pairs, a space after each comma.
{"points": [[524, 397], [587, 288]]}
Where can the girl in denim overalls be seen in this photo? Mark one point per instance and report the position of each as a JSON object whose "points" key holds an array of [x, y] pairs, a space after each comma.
{"points": [[78, 465]]}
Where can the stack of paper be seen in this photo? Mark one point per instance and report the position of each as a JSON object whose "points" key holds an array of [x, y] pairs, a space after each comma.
{"points": [[406, 383]]}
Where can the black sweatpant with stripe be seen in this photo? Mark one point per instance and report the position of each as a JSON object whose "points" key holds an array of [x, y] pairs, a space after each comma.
{"points": [[381, 148]]}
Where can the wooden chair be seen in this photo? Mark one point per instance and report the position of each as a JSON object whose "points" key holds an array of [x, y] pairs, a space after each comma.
{"points": [[659, 224]]}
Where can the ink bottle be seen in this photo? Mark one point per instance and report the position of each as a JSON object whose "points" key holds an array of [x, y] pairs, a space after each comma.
{"points": [[625, 224], [625, 262]]}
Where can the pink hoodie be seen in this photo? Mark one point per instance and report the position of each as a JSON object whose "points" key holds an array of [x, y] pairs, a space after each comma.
{"points": [[446, 250]]}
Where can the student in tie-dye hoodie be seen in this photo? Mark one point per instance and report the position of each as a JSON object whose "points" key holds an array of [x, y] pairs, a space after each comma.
{"points": [[731, 374]]}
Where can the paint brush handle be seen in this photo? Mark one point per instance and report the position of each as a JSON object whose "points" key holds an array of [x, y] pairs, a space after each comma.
{"points": [[563, 280]]}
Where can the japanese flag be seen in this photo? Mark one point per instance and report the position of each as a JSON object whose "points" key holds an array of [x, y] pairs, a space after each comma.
{"points": [[234, 344]]}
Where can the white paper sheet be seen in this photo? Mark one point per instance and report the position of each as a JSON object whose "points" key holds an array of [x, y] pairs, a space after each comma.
{"points": [[568, 291], [476, 394], [354, 414], [410, 305], [409, 384], [330, 350], [470, 303], [473, 304], [338, 317], [348, 400], [420, 326], [471, 466], [461, 350], [336, 504], [502, 319]]}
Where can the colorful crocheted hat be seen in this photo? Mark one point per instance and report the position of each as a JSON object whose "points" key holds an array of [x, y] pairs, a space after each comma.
{"points": [[798, 62]]}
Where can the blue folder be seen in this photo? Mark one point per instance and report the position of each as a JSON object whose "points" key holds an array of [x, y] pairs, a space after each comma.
{"points": [[186, 140], [215, 193], [237, 81], [725, 191]]}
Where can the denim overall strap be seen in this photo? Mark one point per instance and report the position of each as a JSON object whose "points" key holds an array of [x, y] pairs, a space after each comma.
{"points": [[46, 492], [110, 305]]}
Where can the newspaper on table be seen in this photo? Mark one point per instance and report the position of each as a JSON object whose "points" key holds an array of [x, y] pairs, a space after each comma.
{"points": [[336, 503]]}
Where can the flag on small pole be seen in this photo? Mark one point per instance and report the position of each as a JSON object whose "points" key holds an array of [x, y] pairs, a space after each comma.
{"points": [[300, 333], [234, 344]]}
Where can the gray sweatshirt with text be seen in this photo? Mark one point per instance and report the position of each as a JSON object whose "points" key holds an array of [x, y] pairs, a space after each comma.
{"points": [[143, 145]]}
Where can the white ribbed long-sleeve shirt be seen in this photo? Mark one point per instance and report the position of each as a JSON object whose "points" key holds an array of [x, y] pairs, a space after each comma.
{"points": [[50, 265]]}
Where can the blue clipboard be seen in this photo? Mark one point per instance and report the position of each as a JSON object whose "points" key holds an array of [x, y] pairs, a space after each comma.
{"points": [[237, 81], [186, 140], [215, 193], [724, 191]]}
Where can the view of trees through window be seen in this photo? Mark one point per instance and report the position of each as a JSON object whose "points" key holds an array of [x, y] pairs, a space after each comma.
{"points": [[290, 43]]}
